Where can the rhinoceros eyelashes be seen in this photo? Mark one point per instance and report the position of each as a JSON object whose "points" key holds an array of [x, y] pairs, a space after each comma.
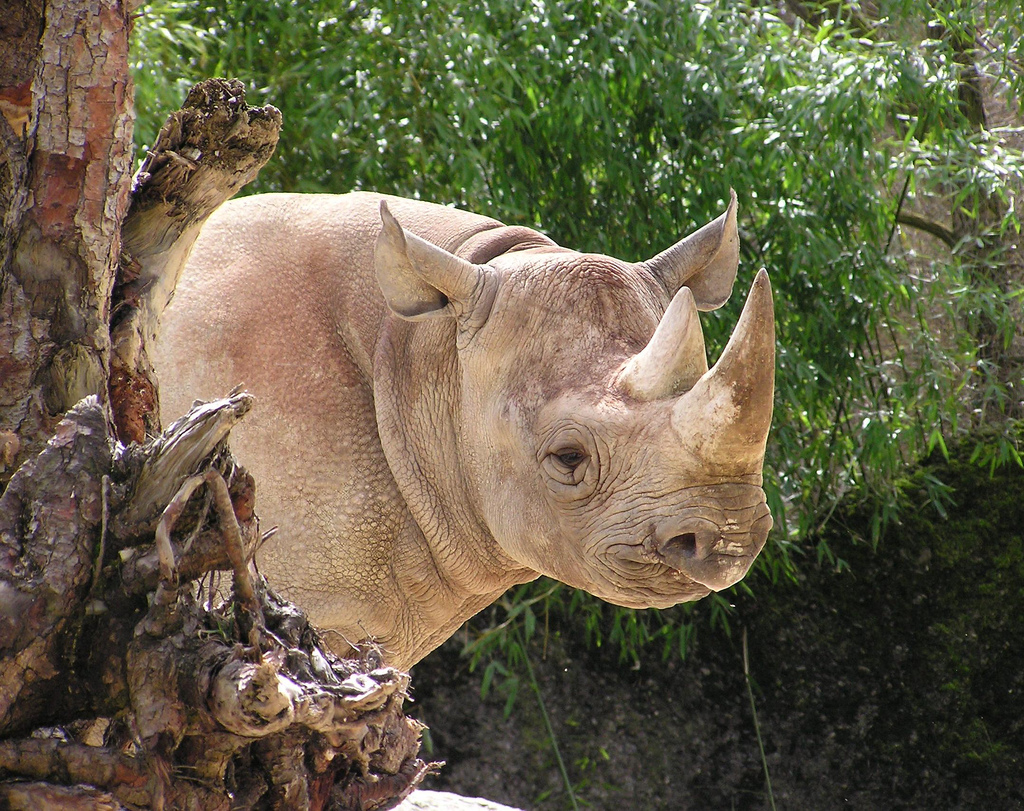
{"points": [[570, 458], [567, 465]]}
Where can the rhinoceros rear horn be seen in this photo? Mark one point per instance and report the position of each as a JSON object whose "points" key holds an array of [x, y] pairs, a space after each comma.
{"points": [[705, 261], [727, 413], [674, 359], [419, 279]]}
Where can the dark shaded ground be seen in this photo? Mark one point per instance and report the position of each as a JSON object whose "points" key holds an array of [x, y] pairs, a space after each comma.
{"points": [[896, 685]]}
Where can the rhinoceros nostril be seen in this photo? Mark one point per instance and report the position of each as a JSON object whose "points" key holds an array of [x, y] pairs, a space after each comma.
{"points": [[684, 544]]}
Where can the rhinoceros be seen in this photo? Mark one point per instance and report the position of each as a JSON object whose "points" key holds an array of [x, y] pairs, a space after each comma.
{"points": [[448, 406]]}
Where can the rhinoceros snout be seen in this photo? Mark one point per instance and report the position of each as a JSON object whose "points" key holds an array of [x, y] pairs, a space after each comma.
{"points": [[715, 554]]}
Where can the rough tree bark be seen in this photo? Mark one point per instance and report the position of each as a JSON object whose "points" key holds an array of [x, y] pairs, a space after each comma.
{"points": [[67, 184], [125, 680]]}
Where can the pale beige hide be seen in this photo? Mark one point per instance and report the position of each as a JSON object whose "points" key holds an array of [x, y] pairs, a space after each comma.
{"points": [[505, 408]]}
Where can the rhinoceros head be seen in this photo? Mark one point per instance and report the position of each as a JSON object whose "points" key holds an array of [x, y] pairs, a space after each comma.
{"points": [[598, 447]]}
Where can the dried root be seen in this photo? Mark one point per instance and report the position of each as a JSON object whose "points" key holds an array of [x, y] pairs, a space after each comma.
{"points": [[208, 704]]}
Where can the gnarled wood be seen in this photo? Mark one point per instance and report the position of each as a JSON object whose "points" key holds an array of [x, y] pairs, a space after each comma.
{"points": [[204, 154], [177, 453], [241, 693]]}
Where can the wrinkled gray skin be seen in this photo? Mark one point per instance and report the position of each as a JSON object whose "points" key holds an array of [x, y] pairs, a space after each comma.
{"points": [[449, 406]]}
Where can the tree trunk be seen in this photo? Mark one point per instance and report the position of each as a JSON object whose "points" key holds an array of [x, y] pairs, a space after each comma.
{"points": [[68, 193], [128, 677]]}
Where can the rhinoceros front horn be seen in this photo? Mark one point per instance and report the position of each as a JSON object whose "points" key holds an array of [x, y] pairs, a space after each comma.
{"points": [[725, 417]]}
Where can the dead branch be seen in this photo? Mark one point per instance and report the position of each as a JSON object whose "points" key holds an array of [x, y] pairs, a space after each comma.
{"points": [[203, 155], [231, 706], [232, 539], [178, 453], [48, 758]]}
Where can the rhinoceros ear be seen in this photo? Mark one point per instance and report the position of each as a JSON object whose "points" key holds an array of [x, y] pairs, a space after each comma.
{"points": [[705, 261], [420, 280]]}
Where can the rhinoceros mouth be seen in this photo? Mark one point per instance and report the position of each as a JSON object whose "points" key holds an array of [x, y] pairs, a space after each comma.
{"points": [[714, 572]]}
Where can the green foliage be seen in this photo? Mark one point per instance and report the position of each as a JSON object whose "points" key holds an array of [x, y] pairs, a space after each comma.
{"points": [[617, 127]]}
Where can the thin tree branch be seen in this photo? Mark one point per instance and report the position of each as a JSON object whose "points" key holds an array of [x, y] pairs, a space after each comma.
{"points": [[931, 227]]}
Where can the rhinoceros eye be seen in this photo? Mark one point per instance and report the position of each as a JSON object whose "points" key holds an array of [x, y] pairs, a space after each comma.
{"points": [[567, 466], [571, 458]]}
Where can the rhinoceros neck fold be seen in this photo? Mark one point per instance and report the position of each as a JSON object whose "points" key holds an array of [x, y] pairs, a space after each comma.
{"points": [[493, 240], [416, 396]]}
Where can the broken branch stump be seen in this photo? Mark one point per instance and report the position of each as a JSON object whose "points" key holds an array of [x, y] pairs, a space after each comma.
{"points": [[204, 153]]}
